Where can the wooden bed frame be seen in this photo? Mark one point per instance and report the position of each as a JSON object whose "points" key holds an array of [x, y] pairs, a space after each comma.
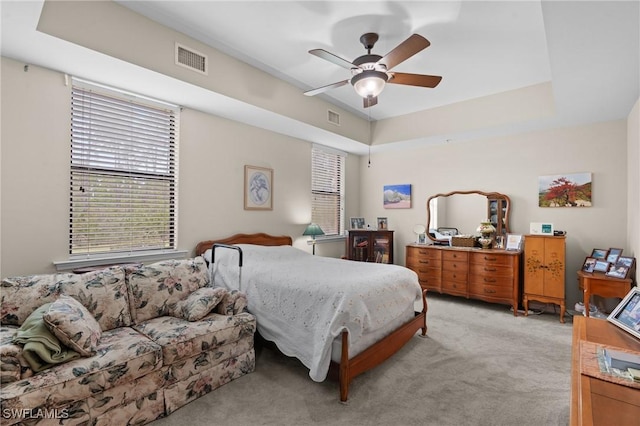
{"points": [[371, 357]]}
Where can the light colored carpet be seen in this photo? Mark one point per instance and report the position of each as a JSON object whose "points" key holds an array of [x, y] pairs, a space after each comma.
{"points": [[480, 365]]}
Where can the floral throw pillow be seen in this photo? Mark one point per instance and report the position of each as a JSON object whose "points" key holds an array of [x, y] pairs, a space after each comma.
{"points": [[73, 325], [234, 302], [199, 303]]}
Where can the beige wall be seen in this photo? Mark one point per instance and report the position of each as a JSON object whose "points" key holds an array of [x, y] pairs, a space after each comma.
{"points": [[511, 165], [212, 154], [35, 177], [633, 186]]}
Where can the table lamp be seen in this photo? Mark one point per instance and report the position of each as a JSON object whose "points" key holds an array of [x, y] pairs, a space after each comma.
{"points": [[313, 230]]}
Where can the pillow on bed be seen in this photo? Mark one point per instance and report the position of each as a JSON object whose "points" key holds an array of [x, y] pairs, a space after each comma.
{"points": [[73, 325], [234, 302], [199, 303]]}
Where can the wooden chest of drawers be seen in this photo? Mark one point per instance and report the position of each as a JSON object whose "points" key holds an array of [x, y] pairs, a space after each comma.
{"points": [[489, 275]]}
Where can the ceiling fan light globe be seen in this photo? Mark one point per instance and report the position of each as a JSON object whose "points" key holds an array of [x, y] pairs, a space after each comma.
{"points": [[369, 83]]}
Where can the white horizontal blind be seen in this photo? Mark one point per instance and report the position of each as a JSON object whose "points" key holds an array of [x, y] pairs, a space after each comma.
{"points": [[327, 190], [123, 174]]}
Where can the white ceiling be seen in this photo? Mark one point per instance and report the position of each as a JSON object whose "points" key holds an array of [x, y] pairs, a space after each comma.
{"points": [[588, 50], [468, 43]]}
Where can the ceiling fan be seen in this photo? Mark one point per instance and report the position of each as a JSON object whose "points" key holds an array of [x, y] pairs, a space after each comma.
{"points": [[370, 72]]}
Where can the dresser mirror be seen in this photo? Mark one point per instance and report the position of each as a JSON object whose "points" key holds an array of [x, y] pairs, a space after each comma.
{"points": [[460, 212]]}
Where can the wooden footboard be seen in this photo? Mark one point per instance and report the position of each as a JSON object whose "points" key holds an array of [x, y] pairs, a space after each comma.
{"points": [[377, 353]]}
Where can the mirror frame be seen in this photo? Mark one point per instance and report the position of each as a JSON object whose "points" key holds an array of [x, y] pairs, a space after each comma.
{"points": [[489, 195]]}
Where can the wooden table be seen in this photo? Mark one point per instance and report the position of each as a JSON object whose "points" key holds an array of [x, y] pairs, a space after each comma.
{"points": [[602, 285], [594, 401]]}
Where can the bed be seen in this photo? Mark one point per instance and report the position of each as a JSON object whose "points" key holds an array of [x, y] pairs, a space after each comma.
{"points": [[338, 317]]}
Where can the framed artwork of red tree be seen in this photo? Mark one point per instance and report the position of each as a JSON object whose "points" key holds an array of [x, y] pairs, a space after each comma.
{"points": [[566, 190]]}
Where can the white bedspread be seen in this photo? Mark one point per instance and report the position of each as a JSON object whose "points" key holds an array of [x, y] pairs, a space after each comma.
{"points": [[303, 302]]}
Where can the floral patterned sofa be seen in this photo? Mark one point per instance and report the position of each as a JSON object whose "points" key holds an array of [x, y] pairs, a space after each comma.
{"points": [[164, 339]]}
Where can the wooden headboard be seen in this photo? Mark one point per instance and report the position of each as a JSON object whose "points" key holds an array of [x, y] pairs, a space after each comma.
{"points": [[260, 239]]}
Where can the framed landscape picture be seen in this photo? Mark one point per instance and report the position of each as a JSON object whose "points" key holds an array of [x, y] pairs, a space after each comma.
{"points": [[397, 196], [613, 255], [599, 253], [601, 266], [565, 190]]}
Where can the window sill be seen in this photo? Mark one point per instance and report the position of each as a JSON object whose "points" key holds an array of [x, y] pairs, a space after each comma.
{"points": [[139, 257], [329, 239]]}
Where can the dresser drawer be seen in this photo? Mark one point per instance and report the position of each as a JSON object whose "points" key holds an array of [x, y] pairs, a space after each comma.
{"points": [[456, 266], [485, 270], [431, 282], [422, 262], [423, 253], [454, 255], [459, 276], [491, 259], [460, 288], [497, 290]]}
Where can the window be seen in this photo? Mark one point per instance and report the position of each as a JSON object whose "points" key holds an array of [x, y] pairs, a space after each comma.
{"points": [[123, 173], [327, 189]]}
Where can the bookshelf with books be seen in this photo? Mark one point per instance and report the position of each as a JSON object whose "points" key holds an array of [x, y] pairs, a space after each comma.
{"points": [[370, 245]]}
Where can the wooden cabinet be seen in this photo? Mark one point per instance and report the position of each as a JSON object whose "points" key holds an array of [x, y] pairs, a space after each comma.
{"points": [[544, 270], [489, 275], [370, 246]]}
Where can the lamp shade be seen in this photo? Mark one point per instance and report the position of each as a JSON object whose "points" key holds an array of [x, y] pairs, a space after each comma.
{"points": [[369, 83], [313, 230]]}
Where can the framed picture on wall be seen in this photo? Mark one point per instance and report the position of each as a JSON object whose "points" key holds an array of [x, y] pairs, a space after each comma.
{"points": [[258, 188]]}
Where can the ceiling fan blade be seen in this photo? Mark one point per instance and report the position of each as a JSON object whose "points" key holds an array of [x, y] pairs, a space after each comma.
{"points": [[323, 89], [321, 53], [414, 79], [370, 101], [404, 51]]}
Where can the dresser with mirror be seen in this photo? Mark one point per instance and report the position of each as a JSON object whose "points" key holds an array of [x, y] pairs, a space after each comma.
{"points": [[491, 275]]}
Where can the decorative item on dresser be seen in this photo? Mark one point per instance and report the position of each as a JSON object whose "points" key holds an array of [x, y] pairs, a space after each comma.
{"points": [[490, 275], [370, 245], [486, 230], [544, 268]]}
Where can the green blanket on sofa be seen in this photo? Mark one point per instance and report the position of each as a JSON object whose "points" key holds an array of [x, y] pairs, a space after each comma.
{"points": [[41, 348]]}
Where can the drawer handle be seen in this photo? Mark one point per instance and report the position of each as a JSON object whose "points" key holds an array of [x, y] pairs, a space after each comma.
{"points": [[426, 262], [489, 280], [488, 290], [489, 269], [490, 258], [455, 265], [422, 251]]}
